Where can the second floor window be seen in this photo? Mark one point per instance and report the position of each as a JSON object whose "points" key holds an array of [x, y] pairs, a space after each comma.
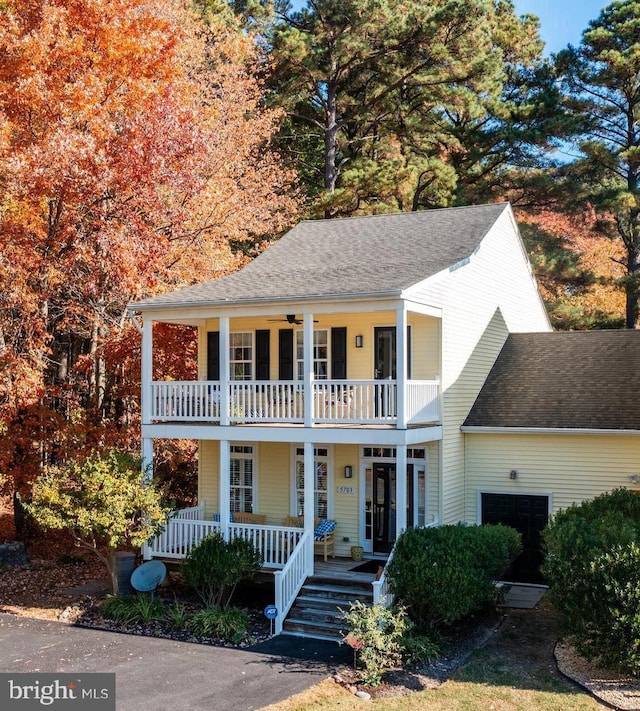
{"points": [[320, 354], [241, 356]]}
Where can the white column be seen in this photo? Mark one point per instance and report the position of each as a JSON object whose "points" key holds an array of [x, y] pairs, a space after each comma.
{"points": [[309, 502], [224, 484], [307, 329], [401, 366], [401, 489], [147, 460], [147, 370], [225, 408]]}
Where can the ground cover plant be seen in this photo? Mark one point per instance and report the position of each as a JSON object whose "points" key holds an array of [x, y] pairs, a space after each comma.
{"points": [[593, 558]]}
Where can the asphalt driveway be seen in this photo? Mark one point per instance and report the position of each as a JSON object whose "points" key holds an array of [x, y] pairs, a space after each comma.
{"points": [[157, 674]]}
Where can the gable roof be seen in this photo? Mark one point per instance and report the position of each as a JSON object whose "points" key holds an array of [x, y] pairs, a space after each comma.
{"points": [[375, 255], [568, 380]]}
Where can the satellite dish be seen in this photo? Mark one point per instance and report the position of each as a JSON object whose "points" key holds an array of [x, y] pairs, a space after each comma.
{"points": [[147, 577]]}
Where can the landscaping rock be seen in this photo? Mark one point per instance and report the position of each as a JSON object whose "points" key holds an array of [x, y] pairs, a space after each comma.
{"points": [[13, 553]]}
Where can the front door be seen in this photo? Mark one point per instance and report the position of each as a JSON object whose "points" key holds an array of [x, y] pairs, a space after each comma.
{"points": [[385, 352], [384, 507]]}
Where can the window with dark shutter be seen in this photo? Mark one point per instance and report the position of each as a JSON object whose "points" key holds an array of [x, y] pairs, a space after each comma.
{"points": [[262, 355], [285, 354], [213, 355], [339, 353]]}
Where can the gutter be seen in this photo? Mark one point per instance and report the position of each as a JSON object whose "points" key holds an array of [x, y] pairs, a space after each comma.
{"points": [[470, 429], [141, 305]]}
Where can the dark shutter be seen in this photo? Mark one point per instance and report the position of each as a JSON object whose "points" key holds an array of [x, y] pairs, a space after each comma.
{"points": [[213, 355], [262, 355], [285, 355], [339, 353], [408, 352]]}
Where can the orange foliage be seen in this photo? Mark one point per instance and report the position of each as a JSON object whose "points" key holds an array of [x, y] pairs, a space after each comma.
{"points": [[133, 147], [597, 255]]}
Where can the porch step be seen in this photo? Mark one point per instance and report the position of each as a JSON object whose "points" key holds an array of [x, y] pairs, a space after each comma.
{"points": [[319, 607]]}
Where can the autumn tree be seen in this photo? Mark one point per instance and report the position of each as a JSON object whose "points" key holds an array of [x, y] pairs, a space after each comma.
{"points": [[600, 77], [134, 146], [102, 501], [578, 271]]}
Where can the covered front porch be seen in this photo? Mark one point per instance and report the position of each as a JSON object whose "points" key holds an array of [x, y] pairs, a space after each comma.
{"points": [[288, 552]]}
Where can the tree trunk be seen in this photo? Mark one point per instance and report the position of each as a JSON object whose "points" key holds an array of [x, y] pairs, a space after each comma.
{"points": [[330, 145], [631, 287]]}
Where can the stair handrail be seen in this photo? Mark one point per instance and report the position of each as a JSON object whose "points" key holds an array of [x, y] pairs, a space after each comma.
{"points": [[290, 579], [382, 594]]}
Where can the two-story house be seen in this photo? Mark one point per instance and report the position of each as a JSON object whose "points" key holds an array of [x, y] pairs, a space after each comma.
{"points": [[336, 372]]}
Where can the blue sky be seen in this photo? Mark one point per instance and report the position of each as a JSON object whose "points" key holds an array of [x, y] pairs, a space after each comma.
{"points": [[561, 21]]}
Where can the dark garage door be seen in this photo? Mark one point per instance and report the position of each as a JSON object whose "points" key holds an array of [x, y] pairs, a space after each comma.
{"points": [[528, 515]]}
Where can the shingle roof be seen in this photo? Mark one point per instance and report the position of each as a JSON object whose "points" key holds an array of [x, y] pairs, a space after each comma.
{"points": [[579, 379], [359, 255]]}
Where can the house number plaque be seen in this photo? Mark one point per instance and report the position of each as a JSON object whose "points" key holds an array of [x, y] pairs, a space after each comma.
{"points": [[346, 490]]}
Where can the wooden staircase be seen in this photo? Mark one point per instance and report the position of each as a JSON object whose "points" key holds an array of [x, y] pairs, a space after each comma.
{"points": [[317, 611]]}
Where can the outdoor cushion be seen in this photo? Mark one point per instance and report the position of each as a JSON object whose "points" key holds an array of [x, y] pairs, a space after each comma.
{"points": [[216, 517], [325, 526]]}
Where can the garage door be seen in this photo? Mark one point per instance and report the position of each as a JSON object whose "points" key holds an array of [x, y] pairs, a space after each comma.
{"points": [[528, 515]]}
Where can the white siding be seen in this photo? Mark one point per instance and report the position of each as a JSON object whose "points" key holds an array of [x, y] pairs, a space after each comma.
{"points": [[569, 468], [482, 302]]}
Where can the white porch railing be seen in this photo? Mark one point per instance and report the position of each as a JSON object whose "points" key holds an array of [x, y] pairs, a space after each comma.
{"points": [[382, 594], [334, 401], [290, 579], [361, 401], [423, 401], [185, 401], [183, 532], [179, 536], [266, 401]]}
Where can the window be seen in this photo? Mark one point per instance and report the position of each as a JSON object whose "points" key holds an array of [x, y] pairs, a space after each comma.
{"points": [[241, 356], [320, 354], [321, 483], [242, 478]]}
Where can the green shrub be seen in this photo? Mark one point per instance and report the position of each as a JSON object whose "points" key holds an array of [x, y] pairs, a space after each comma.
{"points": [[420, 648], [593, 558], [443, 574], [132, 608], [177, 616], [375, 633], [232, 623], [215, 567]]}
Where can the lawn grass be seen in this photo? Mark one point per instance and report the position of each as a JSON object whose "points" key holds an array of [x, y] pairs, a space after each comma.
{"points": [[516, 671]]}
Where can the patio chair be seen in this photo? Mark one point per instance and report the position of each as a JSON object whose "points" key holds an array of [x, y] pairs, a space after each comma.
{"points": [[323, 534]]}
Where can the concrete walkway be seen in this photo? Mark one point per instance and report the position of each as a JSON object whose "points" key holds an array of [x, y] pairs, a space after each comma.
{"points": [[157, 674]]}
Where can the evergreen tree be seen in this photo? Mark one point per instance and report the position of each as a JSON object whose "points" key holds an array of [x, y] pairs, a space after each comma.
{"points": [[602, 81], [397, 104]]}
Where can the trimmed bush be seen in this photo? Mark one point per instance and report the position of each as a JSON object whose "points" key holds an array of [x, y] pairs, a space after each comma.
{"points": [[443, 574], [215, 567], [593, 559]]}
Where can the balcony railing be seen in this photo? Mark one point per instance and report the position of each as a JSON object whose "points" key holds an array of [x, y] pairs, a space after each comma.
{"points": [[334, 401]]}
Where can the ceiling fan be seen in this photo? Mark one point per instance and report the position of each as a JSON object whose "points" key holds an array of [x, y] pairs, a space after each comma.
{"points": [[290, 318]]}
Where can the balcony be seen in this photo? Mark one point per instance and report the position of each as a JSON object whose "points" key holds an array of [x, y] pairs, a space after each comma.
{"points": [[365, 402]]}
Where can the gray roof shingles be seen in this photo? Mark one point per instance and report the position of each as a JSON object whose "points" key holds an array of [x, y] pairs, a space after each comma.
{"points": [[352, 256], [579, 379]]}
